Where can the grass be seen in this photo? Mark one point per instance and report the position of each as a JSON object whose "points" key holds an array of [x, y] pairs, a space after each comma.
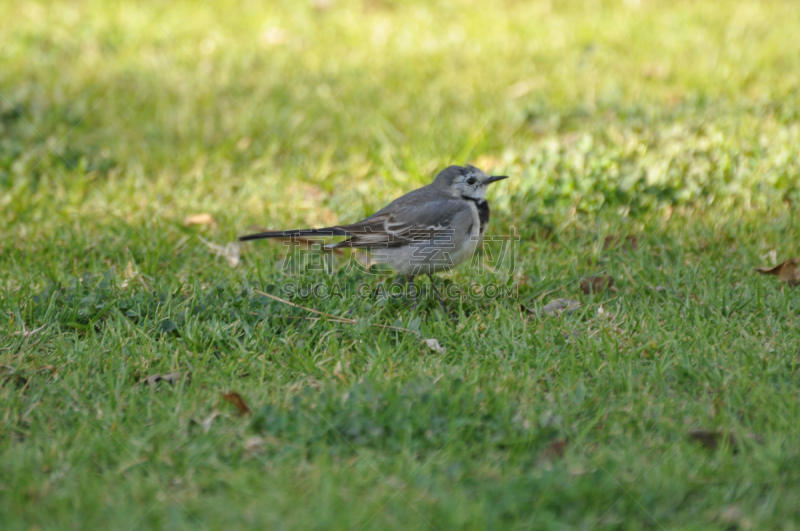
{"points": [[674, 123]]}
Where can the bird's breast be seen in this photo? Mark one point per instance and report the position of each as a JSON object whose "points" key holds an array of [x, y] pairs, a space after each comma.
{"points": [[483, 213]]}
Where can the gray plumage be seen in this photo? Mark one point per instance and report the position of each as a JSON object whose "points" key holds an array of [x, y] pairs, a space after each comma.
{"points": [[431, 229]]}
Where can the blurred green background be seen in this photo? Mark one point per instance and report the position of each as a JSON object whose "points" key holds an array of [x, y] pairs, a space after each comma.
{"points": [[305, 113]]}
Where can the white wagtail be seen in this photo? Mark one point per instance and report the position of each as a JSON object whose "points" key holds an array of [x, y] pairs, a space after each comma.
{"points": [[431, 229]]}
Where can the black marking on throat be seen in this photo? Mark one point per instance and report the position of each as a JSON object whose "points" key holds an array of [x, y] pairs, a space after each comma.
{"points": [[483, 210]]}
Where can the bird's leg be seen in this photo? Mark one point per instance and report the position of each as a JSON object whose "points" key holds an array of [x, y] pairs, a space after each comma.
{"points": [[410, 280], [438, 295]]}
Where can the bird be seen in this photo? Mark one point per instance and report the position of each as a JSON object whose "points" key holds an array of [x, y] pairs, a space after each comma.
{"points": [[428, 230]]}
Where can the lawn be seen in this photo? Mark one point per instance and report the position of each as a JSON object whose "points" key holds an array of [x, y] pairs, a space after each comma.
{"points": [[149, 381]]}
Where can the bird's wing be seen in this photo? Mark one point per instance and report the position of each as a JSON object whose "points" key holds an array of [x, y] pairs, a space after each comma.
{"points": [[409, 222], [420, 215]]}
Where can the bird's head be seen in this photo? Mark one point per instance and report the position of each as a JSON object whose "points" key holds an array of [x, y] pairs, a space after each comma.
{"points": [[467, 182]]}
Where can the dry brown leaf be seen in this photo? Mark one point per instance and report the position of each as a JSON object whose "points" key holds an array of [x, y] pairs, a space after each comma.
{"points": [[555, 449], [787, 271], [712, 439], [433, 344], [556, 307], [596, 283], [199, 219], [236, 399], [776, 270], [171, 378]]}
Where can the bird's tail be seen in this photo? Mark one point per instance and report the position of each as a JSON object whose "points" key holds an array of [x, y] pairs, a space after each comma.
{"points": [[328, 231]]}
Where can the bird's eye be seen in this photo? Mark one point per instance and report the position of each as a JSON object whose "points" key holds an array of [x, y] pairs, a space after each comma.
{"points": [[471, 180]]}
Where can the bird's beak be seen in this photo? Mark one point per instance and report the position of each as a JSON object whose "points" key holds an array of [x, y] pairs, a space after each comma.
{"points": [[495, 178]]}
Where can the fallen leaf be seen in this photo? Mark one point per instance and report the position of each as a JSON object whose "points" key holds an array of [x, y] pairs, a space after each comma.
{"points": [[596, 283], [712, 439], [236, 399], [776, 270], [433, 344], [199, 219], [171, 378], [556, 307], [787, 271], [555, 449]]}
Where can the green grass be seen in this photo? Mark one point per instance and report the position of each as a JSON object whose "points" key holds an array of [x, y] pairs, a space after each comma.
{"points": [[677, 123]]}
